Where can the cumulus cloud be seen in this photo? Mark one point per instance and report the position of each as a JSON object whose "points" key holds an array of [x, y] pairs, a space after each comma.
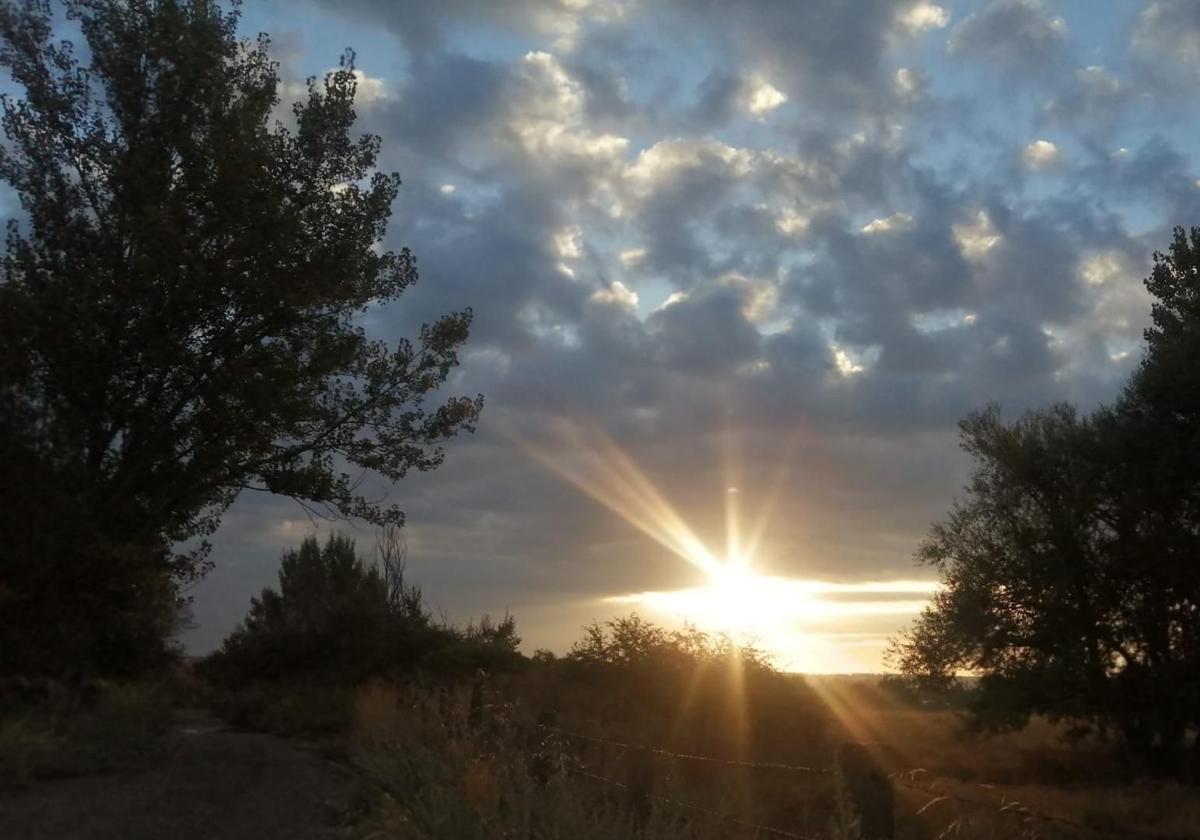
{"points": [[760, 97], [784, 219], [922, 16], [616, 294], [548, 117], [1020, 36], [977, 236], [1091, 98], [896, 221], [1167, 35], [1040, 154]]}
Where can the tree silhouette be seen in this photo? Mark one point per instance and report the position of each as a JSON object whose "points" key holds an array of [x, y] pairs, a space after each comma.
{"points": [[1070, 581], [179, 309], [338, 619]]}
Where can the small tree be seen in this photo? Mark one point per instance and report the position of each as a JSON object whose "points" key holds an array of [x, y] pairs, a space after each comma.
{"points": [[179, 309]]}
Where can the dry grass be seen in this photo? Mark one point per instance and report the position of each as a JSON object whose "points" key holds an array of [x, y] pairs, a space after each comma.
{"points": [[1033, 770], [446, 771], [442, 776]]}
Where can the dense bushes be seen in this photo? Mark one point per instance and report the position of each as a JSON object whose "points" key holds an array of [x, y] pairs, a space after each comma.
{"points": [[684, 689], [339, 620], [71, 733]]}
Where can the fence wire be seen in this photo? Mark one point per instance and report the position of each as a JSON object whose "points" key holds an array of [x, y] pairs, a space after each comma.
{"points": [[1021, 810], [708, 812], [730, 762], [1011, 807]]}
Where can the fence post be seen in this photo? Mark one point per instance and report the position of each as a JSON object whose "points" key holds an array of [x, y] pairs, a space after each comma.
{"points": [[639, 784], [475, 711], [544, 753], [871, 791]]}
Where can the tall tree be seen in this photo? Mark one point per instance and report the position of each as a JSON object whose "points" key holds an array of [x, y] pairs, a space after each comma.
{"points": [[180, 312], [1070, 581]]}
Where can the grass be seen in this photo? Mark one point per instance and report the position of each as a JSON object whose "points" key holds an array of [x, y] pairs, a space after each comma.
{"points": [[446, 774], [440, 775], [1033, 770], [64, 737], [288, 710]]}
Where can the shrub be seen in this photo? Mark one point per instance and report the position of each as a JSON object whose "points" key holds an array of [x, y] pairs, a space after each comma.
{"points": [[339, 620], [123, 727], [24, 750], [63, 737], [297, 709], [440, 778]]}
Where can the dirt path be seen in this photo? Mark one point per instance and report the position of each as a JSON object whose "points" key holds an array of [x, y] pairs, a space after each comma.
{"points": [[211, 783]]}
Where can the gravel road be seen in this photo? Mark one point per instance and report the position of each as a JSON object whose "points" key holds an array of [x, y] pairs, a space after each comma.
{"points": [[209, 783]]}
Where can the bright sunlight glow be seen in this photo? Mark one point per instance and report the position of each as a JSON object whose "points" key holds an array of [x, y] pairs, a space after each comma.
{"points": [[802, 624]]}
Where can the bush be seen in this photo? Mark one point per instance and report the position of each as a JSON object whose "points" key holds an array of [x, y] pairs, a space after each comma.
{"points": [[441, 778], [340, 620], [293, 710], [123, 727], [67, 737], [25, 750], [687, 690]]}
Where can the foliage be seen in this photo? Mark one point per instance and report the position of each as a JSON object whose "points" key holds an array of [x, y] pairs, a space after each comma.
{"points": [[296, 709], [179, 317], [685, 689], [632, 642], [440, 777], [338, 620], [119, 728], [1068, 570], [25, 750]]}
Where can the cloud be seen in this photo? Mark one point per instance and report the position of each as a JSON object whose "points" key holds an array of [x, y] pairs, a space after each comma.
{"points": [[706, 331], [616, 294], [894, 222], [1040, 154], [923, 16], [760, 97], [1167, 37], [977, 236], [1020, 36], [781, 228], [1091, 97]]}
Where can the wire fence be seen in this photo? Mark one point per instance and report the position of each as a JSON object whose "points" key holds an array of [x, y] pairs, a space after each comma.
{"points": [[758, 828], [1018, 809], [729, 762], [905, 780]]}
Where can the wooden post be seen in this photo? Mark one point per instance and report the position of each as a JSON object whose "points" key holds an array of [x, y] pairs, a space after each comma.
{"points": [[639, 784], [870, 790], [544, 752], [475, 711]]}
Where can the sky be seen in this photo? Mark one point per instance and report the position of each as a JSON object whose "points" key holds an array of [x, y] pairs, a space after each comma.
{"points": [[737, 271]]}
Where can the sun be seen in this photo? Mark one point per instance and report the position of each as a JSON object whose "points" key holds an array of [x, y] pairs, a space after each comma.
{"points": [[735, 600], [794, 620]]}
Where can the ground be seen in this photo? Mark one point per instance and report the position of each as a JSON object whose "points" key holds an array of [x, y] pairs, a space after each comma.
{"points": [[210, 782]]}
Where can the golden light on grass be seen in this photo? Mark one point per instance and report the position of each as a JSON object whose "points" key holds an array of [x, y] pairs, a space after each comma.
{"points": [[793, 620]]}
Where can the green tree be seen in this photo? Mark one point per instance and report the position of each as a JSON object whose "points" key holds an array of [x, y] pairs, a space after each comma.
{"points": [[1070, 582], [180, 309]]}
